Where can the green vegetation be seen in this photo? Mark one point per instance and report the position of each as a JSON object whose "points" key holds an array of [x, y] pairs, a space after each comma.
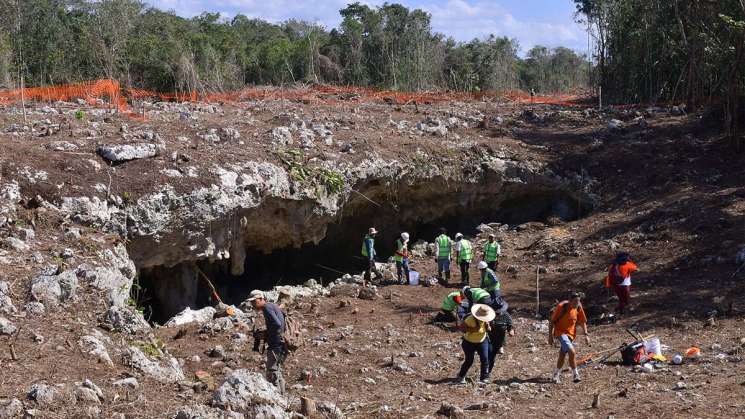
{"points": [[391, 46], [670, 50], [302, 173]]}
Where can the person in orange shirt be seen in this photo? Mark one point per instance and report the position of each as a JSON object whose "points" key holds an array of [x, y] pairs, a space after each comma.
{"points": [[619, 277], [563, 325]]}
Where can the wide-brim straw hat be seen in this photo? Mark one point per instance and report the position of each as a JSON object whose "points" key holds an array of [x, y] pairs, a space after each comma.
{"points": [[483, 312], [372, 230]]}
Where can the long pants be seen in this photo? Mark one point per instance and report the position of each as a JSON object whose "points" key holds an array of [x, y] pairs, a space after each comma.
{"points": [[464, 271], [402, 269], [370, 268], [492, 265], [444, 317], [497, 338], [624, 295], [274, 360], [443, 266], [469, 349]]}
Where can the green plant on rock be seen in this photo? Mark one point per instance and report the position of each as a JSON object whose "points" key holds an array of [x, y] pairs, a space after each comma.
{"points": [[79, 115], [332, 180]]}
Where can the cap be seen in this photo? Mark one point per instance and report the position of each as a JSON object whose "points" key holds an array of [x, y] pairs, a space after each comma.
{"points": [[458, 235], [492, 235], [405, 236], [458, 299], [256, 294], [372, 230], [483, 265], [576, 294]]}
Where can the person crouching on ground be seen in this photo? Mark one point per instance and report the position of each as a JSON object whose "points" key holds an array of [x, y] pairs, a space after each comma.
{"points": [[619, 277], [449, 309], [476, 327], [563, 325], [275, 326], [500, 326]]}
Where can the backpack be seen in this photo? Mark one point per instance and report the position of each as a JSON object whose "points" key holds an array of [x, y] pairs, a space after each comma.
{"points": [[634, 354], [292, 335]]}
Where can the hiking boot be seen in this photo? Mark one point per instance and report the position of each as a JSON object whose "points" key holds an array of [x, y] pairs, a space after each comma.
{"points": [[460, 380], [557, 378], [576, 377]]}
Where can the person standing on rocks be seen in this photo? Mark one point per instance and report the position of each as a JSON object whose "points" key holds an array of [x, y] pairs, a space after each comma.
{"points": [[368, 253], [492, 251], [444, 249], [619, 276], [489, 281], [402, 258], [463, 255], [475, 330], [275, 326], [563, 325]]}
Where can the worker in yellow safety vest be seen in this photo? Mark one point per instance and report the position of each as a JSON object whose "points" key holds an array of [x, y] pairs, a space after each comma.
{"points": [[463, 256], [444, 247], [368, 254], [492, 251]]}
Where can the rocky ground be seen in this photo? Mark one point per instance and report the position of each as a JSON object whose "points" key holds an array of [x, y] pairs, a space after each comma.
{"points": [[92, 201]]}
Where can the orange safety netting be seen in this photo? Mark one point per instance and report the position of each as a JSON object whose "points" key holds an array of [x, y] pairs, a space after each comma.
{"points": [[98, 91]]}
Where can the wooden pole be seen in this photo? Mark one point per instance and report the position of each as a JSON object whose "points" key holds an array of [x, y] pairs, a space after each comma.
{"points": [[537, 292]]}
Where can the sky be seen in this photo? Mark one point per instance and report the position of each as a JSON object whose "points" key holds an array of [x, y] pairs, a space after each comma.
{"points": [[532, 22]]}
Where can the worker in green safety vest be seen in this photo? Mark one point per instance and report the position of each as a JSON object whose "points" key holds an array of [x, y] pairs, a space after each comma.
{"points": [[492, 251], [449, 309], [473, 296], [401, 257], [368, 254], [489, 281], [463, 256], [444, 247]]}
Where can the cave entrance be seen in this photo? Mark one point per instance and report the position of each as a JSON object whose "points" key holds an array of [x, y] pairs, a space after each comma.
{"points": [[165, 291]]}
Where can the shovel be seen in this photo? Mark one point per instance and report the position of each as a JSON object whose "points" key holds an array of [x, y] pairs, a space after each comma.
{"points": [[595, 357]]}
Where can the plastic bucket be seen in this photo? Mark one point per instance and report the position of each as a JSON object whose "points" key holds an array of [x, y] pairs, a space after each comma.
{"points": [[413, 278], [653, 346]]}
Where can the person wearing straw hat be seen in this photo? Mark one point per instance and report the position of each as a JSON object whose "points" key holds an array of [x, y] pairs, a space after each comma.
{"points": [[368, 253], [475, 330]]}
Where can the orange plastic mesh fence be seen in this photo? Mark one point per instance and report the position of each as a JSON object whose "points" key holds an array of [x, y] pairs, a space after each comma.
{"points": [[109, 93]]}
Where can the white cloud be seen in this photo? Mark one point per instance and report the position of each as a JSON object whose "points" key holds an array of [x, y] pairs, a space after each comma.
{"points": [[462, 19]]}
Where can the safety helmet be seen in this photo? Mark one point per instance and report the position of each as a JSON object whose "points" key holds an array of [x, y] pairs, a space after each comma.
{"points": [[458, 236], [405, 236], [482, 265]]}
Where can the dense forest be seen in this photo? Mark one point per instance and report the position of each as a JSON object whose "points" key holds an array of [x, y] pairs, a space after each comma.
{"points": [[56, 41], [682, 51]]}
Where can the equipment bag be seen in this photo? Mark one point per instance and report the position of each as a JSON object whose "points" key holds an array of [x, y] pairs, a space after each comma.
{"points": [[634, 354], [292, 335]]}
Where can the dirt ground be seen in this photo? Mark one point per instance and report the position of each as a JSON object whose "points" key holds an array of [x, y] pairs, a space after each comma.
{"points": [[672, 194]]}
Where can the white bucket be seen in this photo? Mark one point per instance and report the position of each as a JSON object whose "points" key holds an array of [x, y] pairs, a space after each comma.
{"points": [[653, 346], [413, 278]]}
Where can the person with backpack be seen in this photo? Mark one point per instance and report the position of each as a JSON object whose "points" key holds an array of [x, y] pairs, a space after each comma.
{"points": [[402, 258], [273, 336], [500, 327], [489, 280], [563, 325], [444, 248], [619, 277], [463, 255], [492, 251], [475, 331], [369, 254]]}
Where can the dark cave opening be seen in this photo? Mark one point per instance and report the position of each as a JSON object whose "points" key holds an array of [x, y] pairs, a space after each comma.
{"points": [[165, 291]]}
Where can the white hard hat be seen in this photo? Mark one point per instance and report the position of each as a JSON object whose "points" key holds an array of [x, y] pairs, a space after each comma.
{"points": [[256, 294], [483, 265], [458, 236], [405, 236]]}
